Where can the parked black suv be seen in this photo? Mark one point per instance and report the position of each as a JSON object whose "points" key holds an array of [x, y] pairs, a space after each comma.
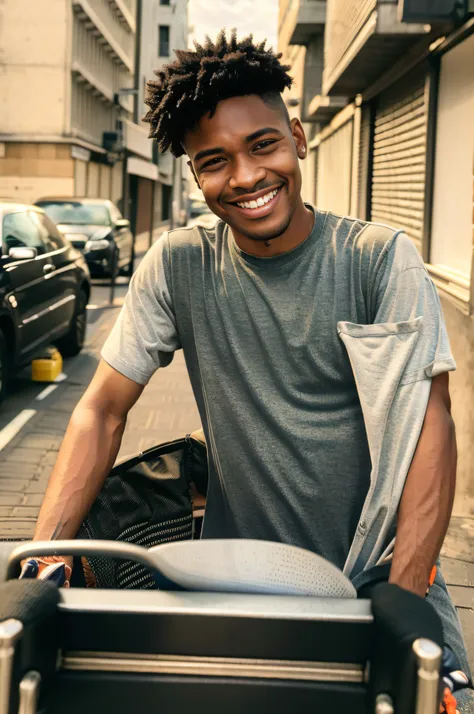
{"points": [[44, 289], [96, 227]]}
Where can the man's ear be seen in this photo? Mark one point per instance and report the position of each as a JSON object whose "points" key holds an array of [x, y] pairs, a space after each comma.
{"points": [[193, 173], [299, 138]]}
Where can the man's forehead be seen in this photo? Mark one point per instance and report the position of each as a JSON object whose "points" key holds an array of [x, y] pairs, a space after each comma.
{"points": [[233, 121]]}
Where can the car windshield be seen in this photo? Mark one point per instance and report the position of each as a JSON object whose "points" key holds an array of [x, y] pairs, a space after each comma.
{"points": [[75, 212]]}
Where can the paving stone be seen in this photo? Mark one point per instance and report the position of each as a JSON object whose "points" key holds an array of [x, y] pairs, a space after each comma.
{"points": [[41, 441], [12, 485], [18, 472], [10, 499], [24, 456], [25, 512]]}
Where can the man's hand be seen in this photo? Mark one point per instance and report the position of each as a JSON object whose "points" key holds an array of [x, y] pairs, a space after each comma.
{"points": [[427, 499], [43, 563]]}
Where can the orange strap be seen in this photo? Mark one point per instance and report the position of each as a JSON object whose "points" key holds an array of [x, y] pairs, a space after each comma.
{"points": [[449, 702]]}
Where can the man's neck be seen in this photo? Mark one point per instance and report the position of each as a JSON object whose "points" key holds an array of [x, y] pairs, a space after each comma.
{"points": [[300, 227]]}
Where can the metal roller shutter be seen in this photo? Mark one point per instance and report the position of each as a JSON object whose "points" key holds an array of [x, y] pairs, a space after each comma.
{"points": [[399, 156]]}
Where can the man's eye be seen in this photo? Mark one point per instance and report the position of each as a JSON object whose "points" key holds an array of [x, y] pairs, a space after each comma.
{"points": [[264, 144], [212, 162]]}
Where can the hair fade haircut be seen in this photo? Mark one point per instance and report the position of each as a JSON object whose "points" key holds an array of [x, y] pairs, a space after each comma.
{"points": [[198, 80]]}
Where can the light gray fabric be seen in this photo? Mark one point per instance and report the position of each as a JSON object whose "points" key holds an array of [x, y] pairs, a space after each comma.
{"points": [[393, 361], [267, 344]]}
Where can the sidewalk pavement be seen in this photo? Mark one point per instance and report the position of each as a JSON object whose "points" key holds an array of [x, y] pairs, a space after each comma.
{"points": [[166, 410]]}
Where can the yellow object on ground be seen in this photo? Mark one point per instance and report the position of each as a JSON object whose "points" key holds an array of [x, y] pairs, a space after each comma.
{"points": [[47, 366]]}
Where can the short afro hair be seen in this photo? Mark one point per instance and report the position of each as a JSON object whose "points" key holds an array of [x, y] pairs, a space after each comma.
{"points": [[198, 80]]}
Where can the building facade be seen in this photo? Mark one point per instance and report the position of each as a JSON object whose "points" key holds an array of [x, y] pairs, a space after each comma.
{"points": [[65, 66], [392, 140], [164, 28], [72, 100]]}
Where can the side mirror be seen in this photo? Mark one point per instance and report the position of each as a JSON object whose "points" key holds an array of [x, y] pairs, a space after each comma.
{"points": [[122, 223], [22, 253]]}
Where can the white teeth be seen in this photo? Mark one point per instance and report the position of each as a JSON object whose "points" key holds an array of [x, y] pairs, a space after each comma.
{"points": [[260, 201]]}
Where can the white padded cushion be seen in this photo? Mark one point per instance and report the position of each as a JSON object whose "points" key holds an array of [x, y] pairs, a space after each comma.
{"points": [[250, 566]]}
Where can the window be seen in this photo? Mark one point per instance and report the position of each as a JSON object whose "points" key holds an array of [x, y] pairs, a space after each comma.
{"points": [[164, 2], [51, 232], [20, 231], [76, 212], [164, 40]]}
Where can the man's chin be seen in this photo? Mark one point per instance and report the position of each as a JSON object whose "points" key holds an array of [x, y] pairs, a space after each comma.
{"points": [[265, 235]]}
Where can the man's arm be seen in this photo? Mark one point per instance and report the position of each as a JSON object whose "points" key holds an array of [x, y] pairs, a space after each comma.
{"points": [[427, 499], [87, 454]]}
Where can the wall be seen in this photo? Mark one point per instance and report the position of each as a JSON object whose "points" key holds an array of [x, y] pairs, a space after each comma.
{"points": [[295, 56], [35, 58], [29, 171], [461, 335]]}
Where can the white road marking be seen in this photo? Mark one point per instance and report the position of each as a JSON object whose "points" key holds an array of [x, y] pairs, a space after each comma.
{"points": [[11, 430], [60, 378], [46, 392]]}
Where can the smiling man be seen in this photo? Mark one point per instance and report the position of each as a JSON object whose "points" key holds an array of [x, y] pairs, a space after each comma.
{"points": [[315, 345]]}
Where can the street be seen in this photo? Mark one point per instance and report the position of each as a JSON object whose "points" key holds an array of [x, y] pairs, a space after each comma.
{"points": [[34, 418]]}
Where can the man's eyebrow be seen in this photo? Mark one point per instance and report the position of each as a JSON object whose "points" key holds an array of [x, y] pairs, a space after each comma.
{"points": [[261, 132], [208, 152]]}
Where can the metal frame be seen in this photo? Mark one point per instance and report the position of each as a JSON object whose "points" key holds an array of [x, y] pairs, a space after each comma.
{"points": [[29, 693], [214, 667], [10, 631]]}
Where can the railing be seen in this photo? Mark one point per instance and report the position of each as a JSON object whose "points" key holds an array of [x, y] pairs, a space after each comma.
{"points": [[96, 77], [117, 34], [344, 20]]}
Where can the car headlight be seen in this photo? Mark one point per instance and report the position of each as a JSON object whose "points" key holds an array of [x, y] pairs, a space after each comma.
{"points": [[97, 244]]}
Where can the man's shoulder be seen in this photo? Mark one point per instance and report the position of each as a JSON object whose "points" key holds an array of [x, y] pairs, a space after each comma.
{"points": [[365, 235], [371, 240], [196, 236]]}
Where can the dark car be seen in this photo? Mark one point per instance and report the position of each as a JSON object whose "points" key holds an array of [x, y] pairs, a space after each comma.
{"points": [[96, 228], [44, 289]]}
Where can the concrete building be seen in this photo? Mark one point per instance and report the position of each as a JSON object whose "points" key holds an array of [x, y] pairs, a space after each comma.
{"points": [[394, 143], [71, 103], [66, 69], [164, 28]]}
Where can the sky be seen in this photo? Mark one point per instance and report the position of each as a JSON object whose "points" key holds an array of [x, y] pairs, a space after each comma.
{"points": [[257, 16]]}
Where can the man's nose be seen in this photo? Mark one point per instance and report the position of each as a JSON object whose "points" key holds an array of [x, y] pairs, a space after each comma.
{"points": [[246, 174]]}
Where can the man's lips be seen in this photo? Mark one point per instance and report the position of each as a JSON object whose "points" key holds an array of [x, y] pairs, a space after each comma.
{"points": [[259, 211]]}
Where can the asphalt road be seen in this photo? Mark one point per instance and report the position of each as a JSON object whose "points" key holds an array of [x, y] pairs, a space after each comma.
{"points": [[22, 390]]}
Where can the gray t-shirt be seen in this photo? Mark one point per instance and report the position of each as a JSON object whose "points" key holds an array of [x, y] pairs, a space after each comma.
{"points": [[288, 453]]}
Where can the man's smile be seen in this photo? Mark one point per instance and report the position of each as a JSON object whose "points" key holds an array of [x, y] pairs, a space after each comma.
{"points": [[258, 204]]}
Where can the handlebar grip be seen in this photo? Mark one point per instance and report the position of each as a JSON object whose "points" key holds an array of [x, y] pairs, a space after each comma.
{"points": [[104, 548]]}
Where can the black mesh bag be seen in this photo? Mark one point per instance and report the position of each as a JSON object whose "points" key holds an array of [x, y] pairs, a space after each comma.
{"points": [[146, 500]]}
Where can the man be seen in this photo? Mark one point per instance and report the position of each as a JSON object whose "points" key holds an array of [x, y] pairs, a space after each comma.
{"points": [[276, 310]]}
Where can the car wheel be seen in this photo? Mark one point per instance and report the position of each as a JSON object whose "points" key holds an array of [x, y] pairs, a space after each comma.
{"points": [[72, 343], [4, 367]]}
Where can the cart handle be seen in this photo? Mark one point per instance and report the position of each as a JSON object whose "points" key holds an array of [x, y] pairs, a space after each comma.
{"points": [[104, 548]]}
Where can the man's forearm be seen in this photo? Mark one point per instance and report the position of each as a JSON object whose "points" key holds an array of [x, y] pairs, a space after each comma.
{"points": [[87, 454], [427, 500]]}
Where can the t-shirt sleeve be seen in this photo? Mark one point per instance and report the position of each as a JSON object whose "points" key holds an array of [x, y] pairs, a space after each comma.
{"points": [[145, 336], [406, 293]]}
